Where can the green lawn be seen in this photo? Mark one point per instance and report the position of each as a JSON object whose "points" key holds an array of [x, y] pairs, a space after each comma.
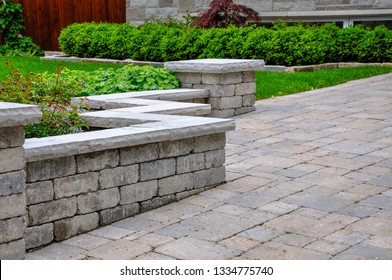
{"points": [[34, 64], [271, 84]]}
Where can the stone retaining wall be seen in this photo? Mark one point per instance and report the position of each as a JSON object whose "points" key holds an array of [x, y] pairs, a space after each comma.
{"points": [[70, 195], [146, 150], [139, 161]]}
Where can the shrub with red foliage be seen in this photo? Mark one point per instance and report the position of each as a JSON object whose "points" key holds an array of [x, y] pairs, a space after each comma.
{"points": [[222, 13]]}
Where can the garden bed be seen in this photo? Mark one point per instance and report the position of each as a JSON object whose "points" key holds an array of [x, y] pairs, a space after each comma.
{"points": [[147, 153]]}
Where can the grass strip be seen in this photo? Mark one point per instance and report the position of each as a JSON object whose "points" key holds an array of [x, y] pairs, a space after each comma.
{"points": [[273, 84], [35, 64], [268, 84]]}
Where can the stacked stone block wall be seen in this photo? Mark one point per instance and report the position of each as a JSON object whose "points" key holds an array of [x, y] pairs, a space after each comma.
{"points": [[231, 83], [12, 178], [75, 194], [12, 197], [231, 94]]}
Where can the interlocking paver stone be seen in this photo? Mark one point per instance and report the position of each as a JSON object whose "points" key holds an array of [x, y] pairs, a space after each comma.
{"points": [[379, 201], [232, 209], [308, 177], [86, 241], [310, 227], [367, 189], [175, 230], [154, 240], [111, 232], [154, 256], [347, 237], [174, 211], [188, 248], [59, 252], [262, 234], [357, 211], [373, 225], [215, 226], [316, 201], [279, 207], [331, 248], [365, 252], [279, 251], [250, 200], [140, 224], [245, 184], [294, 239], [382, 181], [239, 243], [120, 250]]}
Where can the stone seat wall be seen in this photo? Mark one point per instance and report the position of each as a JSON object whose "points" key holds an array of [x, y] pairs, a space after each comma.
{"points": [[142, 158], [147, 151]]}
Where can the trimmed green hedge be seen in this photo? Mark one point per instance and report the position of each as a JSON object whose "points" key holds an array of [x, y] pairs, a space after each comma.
{"points": [[280, 45]]}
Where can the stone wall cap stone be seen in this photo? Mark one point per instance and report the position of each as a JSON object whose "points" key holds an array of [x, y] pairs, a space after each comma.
{"points": [[214, 65], [94, 141], [13, 114]]}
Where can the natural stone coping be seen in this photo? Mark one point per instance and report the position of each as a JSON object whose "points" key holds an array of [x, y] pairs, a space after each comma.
{"points": [[156, 107], [108, 101], [132, 121], [171, 94], [315, 67], [64, 57], [12, 114], [214, 65], [271, 68], [168, 128]]}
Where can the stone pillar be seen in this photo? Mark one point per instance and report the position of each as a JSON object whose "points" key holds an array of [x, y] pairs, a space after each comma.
{"points": [[12, 177], [231, 82]]}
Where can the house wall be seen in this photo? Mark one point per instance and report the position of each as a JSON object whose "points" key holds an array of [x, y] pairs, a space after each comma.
{"points": [[140, 10]]}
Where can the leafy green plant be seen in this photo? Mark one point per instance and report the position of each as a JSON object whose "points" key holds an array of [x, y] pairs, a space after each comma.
{"points": [[12, 28], [60, 116], [375, 45], [125, 79], [54, 91]]}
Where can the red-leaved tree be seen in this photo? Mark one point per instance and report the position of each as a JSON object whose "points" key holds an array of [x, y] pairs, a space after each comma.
{"points": [[225, 12]]}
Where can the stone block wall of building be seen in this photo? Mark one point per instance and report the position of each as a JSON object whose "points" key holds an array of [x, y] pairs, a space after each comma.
{"points": [[139, 11]]}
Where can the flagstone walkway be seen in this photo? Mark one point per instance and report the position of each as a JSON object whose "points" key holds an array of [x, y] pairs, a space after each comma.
{"points": [[309, 176]]}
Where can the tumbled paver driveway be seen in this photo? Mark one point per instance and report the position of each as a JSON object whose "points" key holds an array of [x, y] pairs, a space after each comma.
{"points": [[309, 177]]}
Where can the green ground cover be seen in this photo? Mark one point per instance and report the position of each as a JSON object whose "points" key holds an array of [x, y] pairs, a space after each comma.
{"points": [[272, 84], [53, 84], [34, 64]]}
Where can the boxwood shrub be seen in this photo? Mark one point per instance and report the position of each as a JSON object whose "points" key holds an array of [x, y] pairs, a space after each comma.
{"points": [[279, 45]]}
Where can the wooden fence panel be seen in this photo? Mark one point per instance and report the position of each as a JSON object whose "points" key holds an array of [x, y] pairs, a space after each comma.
{"points": [[44, 19]]}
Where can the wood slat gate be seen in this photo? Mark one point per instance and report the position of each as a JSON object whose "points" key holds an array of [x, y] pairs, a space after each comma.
{"points": [[44, 19]]}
